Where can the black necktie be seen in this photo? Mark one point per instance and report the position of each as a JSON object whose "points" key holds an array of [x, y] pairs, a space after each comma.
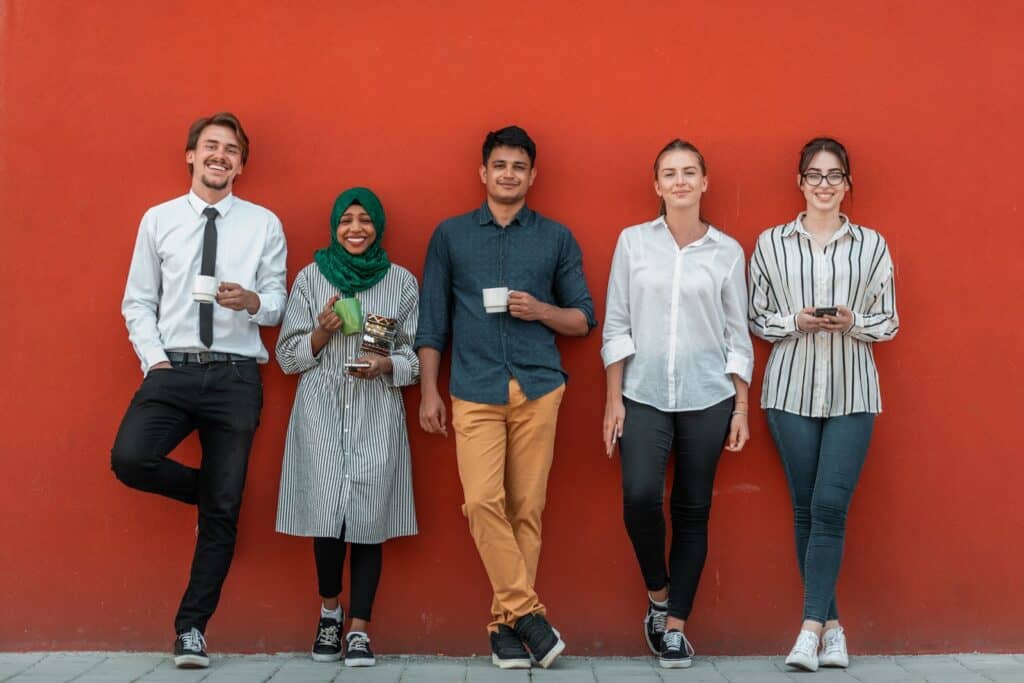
{"points": [[209, 260]]}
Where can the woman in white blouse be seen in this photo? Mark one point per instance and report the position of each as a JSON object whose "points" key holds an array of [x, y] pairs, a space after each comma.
{"points": [[678, 360], [346, 479], [821, 290]]}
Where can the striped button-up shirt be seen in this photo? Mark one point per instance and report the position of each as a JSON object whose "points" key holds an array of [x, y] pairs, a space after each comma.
{"points": [[822, 374], [346, 456]]}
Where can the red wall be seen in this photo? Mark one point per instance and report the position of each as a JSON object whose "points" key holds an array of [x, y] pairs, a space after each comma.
{"points": [[95, 99]]}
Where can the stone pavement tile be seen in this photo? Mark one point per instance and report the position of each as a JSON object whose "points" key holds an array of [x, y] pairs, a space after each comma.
{"points": [[701, 671], [302, 669], [433, 670], [122, 667], [751, 669], [480, 670], [939, 668], [998, 668], [389, 669], [565, 670], [872, 669], [16, 662], [633, 670], [166, 672], [61, 666]]}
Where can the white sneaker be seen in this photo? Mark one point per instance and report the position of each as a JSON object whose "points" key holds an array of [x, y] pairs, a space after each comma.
{"points": [[833, 648], [804, 654]]}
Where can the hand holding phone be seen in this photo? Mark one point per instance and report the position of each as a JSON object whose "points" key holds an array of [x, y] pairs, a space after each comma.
{"points": [[825, 310]]}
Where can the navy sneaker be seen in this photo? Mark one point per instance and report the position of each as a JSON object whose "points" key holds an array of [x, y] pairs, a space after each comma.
{"points": [[654, 626], [544, 642], [507, 651], [676, 651], [357, 650], [190, 650], [327, 646]]}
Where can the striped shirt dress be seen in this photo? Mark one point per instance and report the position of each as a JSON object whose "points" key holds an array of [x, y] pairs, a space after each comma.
{"points": [[822, 374], [346, 457]]}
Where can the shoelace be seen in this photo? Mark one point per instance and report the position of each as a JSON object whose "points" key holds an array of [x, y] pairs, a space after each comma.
{"points": [[806, 644], [659, 619], [359, 642], [833, 642], [328, 635], [675, 640], [193, 640]]}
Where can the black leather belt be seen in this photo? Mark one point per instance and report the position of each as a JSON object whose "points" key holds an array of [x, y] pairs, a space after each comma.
{"points": [[204, 357]]}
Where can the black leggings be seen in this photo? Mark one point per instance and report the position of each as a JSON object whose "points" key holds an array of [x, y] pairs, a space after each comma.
{"points": [[647, 438], [365, 567]]}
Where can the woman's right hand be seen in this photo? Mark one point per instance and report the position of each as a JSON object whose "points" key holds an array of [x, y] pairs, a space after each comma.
{"points": [[614, 418], [807, 322], [328, 320]]}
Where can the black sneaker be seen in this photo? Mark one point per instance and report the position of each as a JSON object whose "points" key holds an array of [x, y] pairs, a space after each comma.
{"points": [[507, 651], [544, 642], [654, 626], [357, 650], [190, 650], [676, 651], [327, 646]]}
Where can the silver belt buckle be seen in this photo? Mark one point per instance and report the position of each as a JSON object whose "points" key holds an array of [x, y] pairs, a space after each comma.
{"points": [[205, 357]]}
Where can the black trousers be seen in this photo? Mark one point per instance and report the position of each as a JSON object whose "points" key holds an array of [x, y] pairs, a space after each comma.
{"points": [[365, 568], [647, 438], [221, 401]]}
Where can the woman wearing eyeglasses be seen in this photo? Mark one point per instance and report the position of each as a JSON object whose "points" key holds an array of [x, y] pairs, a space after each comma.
{"points": [[821, 290]]}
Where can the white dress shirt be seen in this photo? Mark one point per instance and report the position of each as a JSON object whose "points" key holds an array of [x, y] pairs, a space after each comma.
{"points": [[158, 307], [678, 317], [822, 374]]}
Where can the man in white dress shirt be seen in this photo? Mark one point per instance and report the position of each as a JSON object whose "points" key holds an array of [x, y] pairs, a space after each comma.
{"points": [[199, 360]]}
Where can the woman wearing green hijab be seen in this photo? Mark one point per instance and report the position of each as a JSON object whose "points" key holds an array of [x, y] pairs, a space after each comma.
{"points": [[347, 476]]}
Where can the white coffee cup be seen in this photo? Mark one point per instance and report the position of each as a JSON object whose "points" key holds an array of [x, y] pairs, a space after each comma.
{"points": [[496, 299], [204, 289]]}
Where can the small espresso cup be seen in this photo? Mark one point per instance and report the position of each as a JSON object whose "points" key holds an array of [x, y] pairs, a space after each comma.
{"points": [[351, 313], [204, 289], [496, 299]]}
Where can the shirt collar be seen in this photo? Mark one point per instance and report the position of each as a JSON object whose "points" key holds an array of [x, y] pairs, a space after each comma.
{"points": [[523, 217], [797, 226], [713, 234], [198, 203]]}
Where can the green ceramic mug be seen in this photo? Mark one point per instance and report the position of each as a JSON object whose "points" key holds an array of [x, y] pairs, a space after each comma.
{"points": [[351, 314]]}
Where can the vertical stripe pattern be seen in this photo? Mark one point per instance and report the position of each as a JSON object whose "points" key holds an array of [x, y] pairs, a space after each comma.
{"points": [[824, 374], [346, 458]]}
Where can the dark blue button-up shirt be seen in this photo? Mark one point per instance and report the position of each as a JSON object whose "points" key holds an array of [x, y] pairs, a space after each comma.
{"points": [[470, 253]]}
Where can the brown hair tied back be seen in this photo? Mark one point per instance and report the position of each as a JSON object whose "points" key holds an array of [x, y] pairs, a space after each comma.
{"points": [[679, 145], [824, 144]]}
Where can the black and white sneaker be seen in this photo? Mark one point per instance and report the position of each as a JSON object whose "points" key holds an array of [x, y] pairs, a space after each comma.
{"points": [[357, 650], [544, 642], [190, 650], [676, 651], [654, 626], [507, 651], [327, 646]]}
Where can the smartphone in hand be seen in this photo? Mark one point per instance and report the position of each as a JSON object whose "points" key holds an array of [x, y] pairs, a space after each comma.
{"points": [[825, 310]]}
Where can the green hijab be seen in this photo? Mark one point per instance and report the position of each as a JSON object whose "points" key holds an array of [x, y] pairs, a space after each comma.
{"points": [[353, 273]]}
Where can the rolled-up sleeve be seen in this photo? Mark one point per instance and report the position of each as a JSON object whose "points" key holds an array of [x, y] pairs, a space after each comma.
{"points": [[270, 277], [435, 302], [570, 284], [739, 356], [617, 340]]}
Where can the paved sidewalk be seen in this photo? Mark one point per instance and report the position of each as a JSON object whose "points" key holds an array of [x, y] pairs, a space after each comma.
{"points": [[120, 667]]}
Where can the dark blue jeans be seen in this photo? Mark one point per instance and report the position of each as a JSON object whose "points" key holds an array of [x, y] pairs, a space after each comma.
{"points": [[823, 458], [222, 402]]}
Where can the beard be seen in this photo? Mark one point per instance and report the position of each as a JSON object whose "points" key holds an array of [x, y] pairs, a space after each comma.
{"points": [[212, 185]]}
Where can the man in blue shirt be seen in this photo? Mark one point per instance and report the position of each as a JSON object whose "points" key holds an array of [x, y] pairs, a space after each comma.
{"points": [[507, 378]]}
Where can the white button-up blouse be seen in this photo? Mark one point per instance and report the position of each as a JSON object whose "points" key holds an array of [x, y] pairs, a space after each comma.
{"points": [[677, 317]]}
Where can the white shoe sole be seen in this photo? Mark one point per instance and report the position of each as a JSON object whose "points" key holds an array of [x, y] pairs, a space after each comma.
{"points": [[675, 663], [802, 663], [839, 662], [191, 662], [510, 663], [325, 658], [552, 653], [360, 662]]}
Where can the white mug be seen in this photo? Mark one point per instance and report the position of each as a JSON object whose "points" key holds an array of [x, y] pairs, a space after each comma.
{"points": [[204, 289], [496, 299]]}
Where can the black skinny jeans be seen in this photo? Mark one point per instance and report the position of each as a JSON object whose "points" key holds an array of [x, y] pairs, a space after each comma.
{"points": [[367, 559], [221, 401], [647, 439]]}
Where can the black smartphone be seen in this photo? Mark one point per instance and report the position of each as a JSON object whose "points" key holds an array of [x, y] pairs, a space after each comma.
{"points": [[825, 310]]}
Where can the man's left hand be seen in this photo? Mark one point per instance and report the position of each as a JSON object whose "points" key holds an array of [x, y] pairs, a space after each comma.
{"points": [[525, 307], [232, 295]]}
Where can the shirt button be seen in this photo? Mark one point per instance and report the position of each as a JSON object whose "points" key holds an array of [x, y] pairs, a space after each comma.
{"points": [[346, 430]]}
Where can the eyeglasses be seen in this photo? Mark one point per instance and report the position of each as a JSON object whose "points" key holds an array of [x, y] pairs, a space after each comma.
{"points": [[832, 178]]}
